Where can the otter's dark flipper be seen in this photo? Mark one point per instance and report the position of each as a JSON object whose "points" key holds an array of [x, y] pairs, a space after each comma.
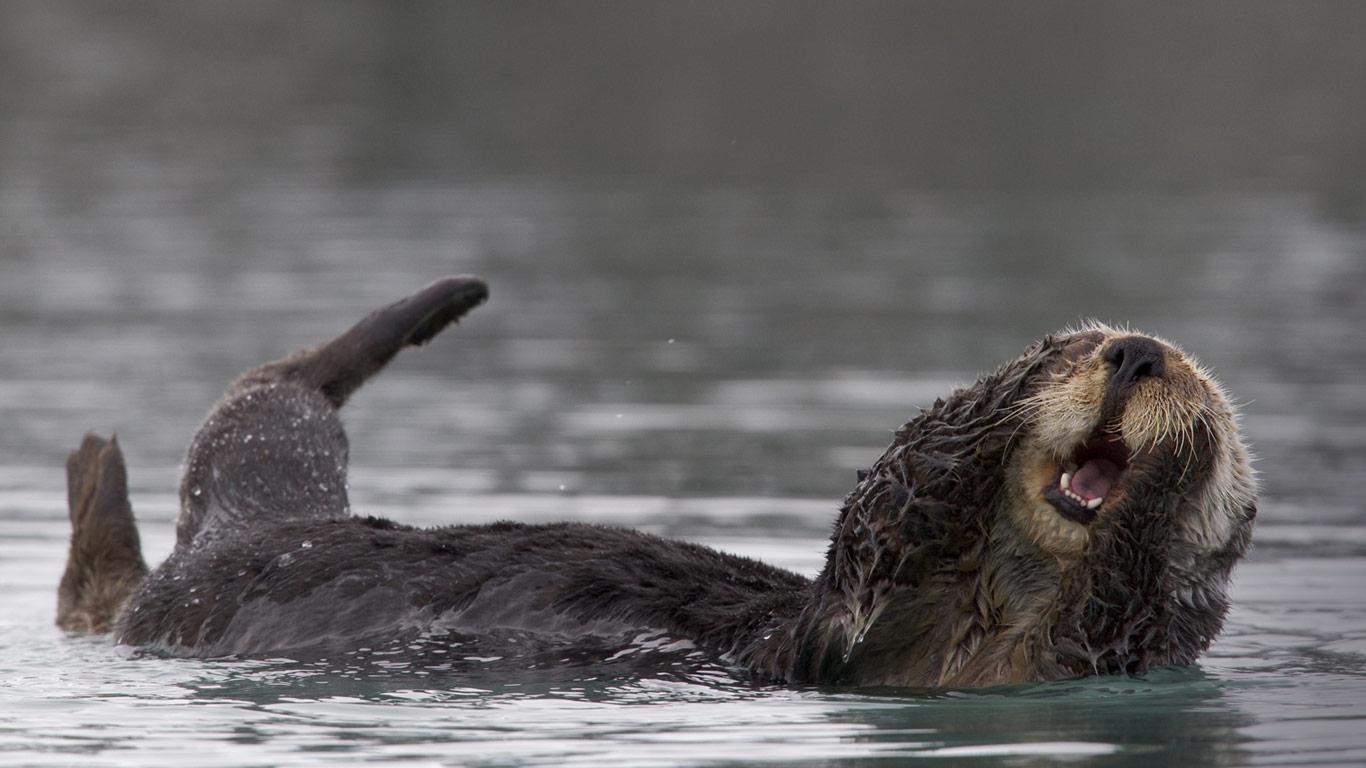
{"points": [[104, 564], [274, 447], [339, 367]]}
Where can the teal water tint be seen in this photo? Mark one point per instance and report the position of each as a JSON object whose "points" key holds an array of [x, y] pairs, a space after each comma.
{"points": [[1283, 686]]}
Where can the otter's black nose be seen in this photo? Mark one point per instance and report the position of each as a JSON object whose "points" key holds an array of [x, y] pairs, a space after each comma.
{"points": [[1134, 358]]}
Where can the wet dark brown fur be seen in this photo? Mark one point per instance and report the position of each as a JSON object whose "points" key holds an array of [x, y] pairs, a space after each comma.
{"points": [[949, 564], [933, 578], [105, 562]]}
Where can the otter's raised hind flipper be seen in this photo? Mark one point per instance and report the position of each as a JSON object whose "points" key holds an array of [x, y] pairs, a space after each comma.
{"points": [[104, 564], [339, 367], [274, 447]]}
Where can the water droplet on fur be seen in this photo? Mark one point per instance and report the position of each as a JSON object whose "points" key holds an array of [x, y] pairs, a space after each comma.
{"points": [[306, 544], [196, 491]]}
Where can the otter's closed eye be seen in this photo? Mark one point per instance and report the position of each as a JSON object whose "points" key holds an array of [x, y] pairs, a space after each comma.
{"points": [[1058, 518]]}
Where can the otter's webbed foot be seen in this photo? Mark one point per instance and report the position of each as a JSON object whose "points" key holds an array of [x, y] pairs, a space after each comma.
{"points": [[104, 564], [339, 367], [274, 448], [427, 312]]}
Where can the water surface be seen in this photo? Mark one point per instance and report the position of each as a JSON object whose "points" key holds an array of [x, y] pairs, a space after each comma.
{"points": [[729, 403]]}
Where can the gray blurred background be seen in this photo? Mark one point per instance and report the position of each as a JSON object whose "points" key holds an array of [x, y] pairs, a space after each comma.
{"points": [[1073, 97], [732, 244]]}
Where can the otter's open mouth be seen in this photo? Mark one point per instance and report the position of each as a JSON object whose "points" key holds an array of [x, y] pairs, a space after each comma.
{"points": [[1089, 477]]}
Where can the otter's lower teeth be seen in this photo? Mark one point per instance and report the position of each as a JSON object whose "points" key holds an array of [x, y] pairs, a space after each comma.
{"points": [[1065, 485], [1092, 504]]}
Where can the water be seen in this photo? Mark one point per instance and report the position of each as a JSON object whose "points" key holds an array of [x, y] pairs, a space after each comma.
{"points": [[703, 356]]}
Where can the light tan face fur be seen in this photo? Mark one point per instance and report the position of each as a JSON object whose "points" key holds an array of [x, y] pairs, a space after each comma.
{"points": [[1161, 414]]}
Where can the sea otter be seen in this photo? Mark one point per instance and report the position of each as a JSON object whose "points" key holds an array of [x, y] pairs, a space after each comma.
{"points": [[1076, 512]]}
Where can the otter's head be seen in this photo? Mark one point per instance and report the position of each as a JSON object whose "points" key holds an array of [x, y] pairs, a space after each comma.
{"points": [[1131, 472], [1120, 423], [1078, 510]]}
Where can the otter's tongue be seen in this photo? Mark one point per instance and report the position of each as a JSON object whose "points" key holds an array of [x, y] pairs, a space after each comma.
{"points": [[1093, 479]]}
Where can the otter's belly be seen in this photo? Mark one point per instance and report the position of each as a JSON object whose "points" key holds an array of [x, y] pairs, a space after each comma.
{"points": [[340, 584], [335, 616]]}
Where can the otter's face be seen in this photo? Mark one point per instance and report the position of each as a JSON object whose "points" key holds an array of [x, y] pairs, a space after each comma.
{"points": [[1125, 421]]}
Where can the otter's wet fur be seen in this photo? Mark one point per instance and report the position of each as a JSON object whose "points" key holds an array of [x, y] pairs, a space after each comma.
{"points": [[967, 554]]}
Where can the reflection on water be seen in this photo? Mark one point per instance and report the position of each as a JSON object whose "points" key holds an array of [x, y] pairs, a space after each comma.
{"points": [[722, 273], [612, 360]]}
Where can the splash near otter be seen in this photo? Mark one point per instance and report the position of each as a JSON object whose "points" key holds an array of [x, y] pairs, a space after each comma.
{"points": [[1076, 512]]}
